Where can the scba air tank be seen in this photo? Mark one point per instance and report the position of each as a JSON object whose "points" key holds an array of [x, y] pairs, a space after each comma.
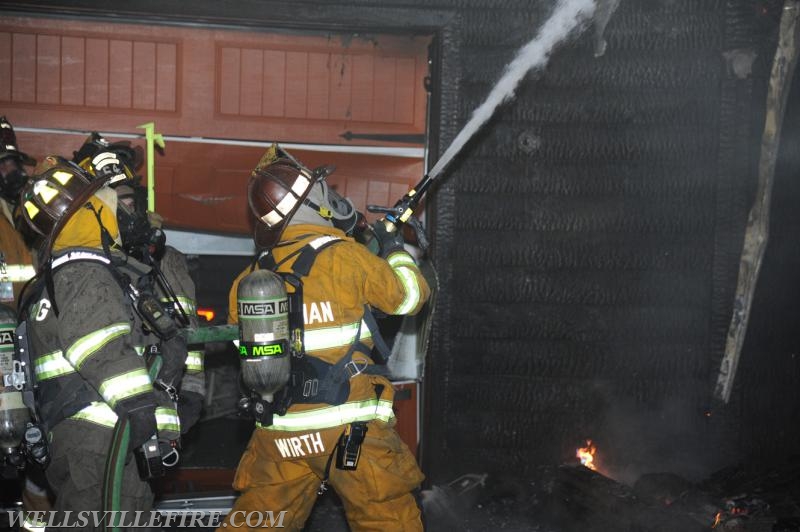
{"points": [[14, 415], [263, 306]]}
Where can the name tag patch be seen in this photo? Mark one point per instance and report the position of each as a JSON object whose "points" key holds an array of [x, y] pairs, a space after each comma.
{"points": [[300, 446]]}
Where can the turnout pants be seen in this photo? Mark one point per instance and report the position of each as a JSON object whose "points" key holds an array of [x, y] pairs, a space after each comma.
{"points": [[78, 457], [281, 472]]}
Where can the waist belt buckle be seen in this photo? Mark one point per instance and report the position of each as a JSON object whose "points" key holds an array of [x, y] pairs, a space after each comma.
{"points": [[310, 387], [353, 369], [171, 391]]}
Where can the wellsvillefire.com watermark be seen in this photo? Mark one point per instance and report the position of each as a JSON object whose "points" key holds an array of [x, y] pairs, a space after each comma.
{"points": [[138, 519]]}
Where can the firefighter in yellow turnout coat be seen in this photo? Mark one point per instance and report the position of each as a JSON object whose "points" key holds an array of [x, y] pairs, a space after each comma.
{"points": [[16, 263], [285, 463]]}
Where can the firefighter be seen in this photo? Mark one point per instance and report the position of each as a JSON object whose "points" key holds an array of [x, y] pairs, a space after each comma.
{"points": [[90, 318], [16, 262], [118, 163], [175, 290], [16, 268], [338, 430]]}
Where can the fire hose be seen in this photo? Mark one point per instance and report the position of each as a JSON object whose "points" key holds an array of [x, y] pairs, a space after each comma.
{"points": [[115, 472]]}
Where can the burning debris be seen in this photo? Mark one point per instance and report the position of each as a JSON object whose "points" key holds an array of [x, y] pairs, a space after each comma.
{"points": [[742, 511], [576, 497], [586, 455]]}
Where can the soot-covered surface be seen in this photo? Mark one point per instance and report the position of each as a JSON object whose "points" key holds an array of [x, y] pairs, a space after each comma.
{"points": [[593, 231]]}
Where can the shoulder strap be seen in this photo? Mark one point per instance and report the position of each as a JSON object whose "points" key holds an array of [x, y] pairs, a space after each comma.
{"points": [[308, 254], [377, 338], [302, 267]]}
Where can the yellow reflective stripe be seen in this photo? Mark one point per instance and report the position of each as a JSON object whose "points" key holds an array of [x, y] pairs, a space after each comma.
{"points": [[322, 240], [194, 382], [332, 416], [167, 419], [98, 413], [400, 263], [126, 385], [286, 205], [52, 365], [17, 273], [187, 304], [400, 258], [86, 346], [330, 337], [195, 361]]}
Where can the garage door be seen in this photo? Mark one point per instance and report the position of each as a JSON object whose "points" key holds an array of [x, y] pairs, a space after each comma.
{"points": [[220, 97]]}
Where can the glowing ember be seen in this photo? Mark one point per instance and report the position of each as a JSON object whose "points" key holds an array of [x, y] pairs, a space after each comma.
{"points": [[586, 455], [717, 520]]}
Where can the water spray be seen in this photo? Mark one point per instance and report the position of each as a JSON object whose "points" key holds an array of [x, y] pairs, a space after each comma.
{"points": [[567, 16]]}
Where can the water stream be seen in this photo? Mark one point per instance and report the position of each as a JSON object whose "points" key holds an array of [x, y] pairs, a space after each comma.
{"points": [[567, 16]]}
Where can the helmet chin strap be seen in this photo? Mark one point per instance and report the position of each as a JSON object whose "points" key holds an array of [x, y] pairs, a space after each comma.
{"points": [[329, 208], [106, 239], [324, 212]]}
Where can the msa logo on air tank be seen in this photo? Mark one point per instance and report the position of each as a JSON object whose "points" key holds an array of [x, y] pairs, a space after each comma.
{"points": [[261, 350], [259, 309], [6, 340]]}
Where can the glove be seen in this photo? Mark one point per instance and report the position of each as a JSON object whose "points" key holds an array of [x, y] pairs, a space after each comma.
{"points": [[190, 406], [142, 423], [389, 241], [173, 356], [155, 219]]}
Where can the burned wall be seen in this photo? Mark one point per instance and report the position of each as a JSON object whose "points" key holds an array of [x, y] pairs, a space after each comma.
{"points": [[596, 229]]}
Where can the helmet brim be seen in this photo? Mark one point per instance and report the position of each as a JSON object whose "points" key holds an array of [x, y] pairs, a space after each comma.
{"points": [[266, 238]]}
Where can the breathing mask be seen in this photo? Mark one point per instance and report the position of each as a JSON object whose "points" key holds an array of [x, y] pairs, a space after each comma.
{"points": [[343, 213], [329, 204], [138, 236], [12, 174], [12, 178]]}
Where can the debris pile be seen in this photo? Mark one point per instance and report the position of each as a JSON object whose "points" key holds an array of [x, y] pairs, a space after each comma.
{"points": [[574, 498]]}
